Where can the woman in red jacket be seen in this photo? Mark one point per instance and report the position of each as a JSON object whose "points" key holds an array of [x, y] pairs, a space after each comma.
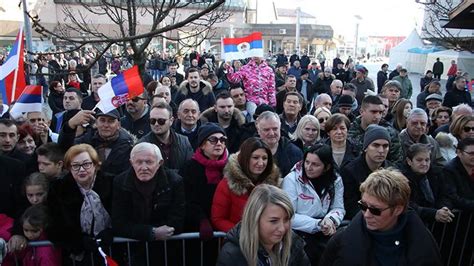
{"points": [[251, 166]]}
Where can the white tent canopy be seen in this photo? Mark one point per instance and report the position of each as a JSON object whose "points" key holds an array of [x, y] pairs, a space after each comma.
{"points": [[400, 54], [464, 59]]}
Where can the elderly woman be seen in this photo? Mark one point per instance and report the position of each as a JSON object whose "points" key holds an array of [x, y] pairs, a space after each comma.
{"points": [[427, 196], [26, 142], [322, 114], [316, 193], [264, 236], [251, 166], [400, 112], [343, 150], [306, 133], [80, 206]]}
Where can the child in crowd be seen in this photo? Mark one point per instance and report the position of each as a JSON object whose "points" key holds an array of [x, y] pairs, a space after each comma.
{"points": [[34, 222], [36, 188]]}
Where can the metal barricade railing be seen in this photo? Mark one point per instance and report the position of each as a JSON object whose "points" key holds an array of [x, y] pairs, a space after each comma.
{"points": [[181, 237]]}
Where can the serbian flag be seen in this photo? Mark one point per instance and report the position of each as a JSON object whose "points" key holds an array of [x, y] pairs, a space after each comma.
{"points": [[241, 48], [120, 89], [12, 75], [107, 259], [31, 100]]}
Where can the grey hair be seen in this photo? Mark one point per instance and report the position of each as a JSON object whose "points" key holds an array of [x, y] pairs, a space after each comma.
{"points": [[146, 146], [320, 97], [180, 107], [336, 81], [461, 108], [417, 112], [268, 115], [392, 83]]}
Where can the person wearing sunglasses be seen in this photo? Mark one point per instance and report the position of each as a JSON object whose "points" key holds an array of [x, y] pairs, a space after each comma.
{"points": [[384, 232], [80, 206], [201, 175], [137, 116], [462, 127], [322, 114], [175, 148], [459, 175], [374, 156], [228, 117], [316, 192], [251, 166]]}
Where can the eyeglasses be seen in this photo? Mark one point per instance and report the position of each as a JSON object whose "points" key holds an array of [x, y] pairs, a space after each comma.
{"points": [[468, 129], [471, 153], [86, 165], [374, 211], [136, 99], [322, 119], [213, 140], [161, 121]]}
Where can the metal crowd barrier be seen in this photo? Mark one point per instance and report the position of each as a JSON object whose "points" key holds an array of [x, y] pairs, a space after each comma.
{"points": [[455, 240]]}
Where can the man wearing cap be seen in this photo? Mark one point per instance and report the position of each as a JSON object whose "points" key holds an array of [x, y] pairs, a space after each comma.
{"points": [[136, 119], [362, 83], [433, 101], [344, 106], [407, 88], [458, 94], [226, 116], [426, 79], [112, 143], [374, 156], [175, 148], [371, 113], [391, 90], [415, 132]]}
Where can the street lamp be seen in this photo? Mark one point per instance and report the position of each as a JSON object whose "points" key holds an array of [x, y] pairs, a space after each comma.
{"points": [[358, 18]]}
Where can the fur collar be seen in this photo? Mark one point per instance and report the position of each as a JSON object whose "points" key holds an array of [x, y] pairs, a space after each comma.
{"points": [[241, 184], [210, 115], [206, 87]]}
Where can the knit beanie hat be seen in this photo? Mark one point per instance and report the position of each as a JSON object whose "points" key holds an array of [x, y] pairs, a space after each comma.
{"points": [[373, 133], [206, 130], [345, 101]]}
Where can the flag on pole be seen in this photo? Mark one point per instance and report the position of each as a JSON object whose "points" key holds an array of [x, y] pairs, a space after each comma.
{"points": [[120, 89], [241, 48], [30, 100], [12, 75], [107, 259]]}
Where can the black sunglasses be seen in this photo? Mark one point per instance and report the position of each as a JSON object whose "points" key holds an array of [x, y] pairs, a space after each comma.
{"points": [[213, 140], [136, 99], [374, 211], [468, 129], [161, 121], [322, 119]]}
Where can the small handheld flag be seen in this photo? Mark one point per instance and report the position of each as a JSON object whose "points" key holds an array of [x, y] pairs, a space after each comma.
{"points": [[30, 100], [120, 89], [241, 48]]}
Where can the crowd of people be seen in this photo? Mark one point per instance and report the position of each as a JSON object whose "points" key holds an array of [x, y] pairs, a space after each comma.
{"points": [[301, 163]]}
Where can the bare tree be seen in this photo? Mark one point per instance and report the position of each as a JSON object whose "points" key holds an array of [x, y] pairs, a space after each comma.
{"points": [[127, 28], [436, 14]]}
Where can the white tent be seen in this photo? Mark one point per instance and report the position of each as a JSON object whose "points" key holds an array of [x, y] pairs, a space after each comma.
{"points": [[400, 54], [464, 59]]}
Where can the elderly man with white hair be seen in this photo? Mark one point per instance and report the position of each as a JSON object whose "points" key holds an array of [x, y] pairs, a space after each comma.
{"points": [[322, 100], [148, 199], [415, 132]]}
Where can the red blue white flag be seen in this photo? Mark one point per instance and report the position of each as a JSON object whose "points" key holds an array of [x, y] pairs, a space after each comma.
{"points": [[30, 100], [120, 89], [12, 75], [241, 48]]}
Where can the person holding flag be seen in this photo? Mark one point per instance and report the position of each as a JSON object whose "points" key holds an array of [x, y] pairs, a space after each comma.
{"points": [[112, 143], [257, 77]]}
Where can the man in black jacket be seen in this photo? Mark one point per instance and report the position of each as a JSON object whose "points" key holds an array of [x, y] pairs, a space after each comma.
{"points": [[137, 116], [175, 148], [458, 94], [382, 77], [12, 173]]}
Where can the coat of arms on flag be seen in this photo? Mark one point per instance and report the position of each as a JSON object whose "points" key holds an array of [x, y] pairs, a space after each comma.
{"points": [[244, 47]]}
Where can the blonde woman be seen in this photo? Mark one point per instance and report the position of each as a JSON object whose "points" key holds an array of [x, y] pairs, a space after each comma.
{"points": [[264, 236], [322, 114], [306, 133]]}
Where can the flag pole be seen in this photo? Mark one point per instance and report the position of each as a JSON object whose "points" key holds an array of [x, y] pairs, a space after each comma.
{"points": [[20, 41]]}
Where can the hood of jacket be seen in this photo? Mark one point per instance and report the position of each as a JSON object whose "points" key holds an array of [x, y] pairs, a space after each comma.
{"points": [[210, 115], [205, 86], [240, 183]]}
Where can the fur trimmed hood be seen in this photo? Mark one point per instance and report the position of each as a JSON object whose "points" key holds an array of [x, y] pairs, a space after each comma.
{"points": [[206, 87], [241, 184], [210, 115]]}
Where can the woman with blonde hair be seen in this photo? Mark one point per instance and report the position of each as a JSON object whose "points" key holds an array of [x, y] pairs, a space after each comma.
{"points": [[306, 133], [264, 236], [322, 114]]}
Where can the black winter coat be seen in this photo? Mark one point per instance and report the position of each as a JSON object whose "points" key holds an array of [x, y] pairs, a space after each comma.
{"points": [[12, 173], [168, 205], [287, 155], [55, 101], [139, 127], [181, 149], [65, 202], [420, 247], [381, 78], [458, 185], [455, 97], [231, 255]]}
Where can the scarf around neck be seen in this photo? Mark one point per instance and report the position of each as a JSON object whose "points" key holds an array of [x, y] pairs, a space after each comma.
{"points": [[213, 168]]}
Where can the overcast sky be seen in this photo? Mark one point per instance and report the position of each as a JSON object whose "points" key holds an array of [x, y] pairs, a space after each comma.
{"points": [[379, 17]]}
